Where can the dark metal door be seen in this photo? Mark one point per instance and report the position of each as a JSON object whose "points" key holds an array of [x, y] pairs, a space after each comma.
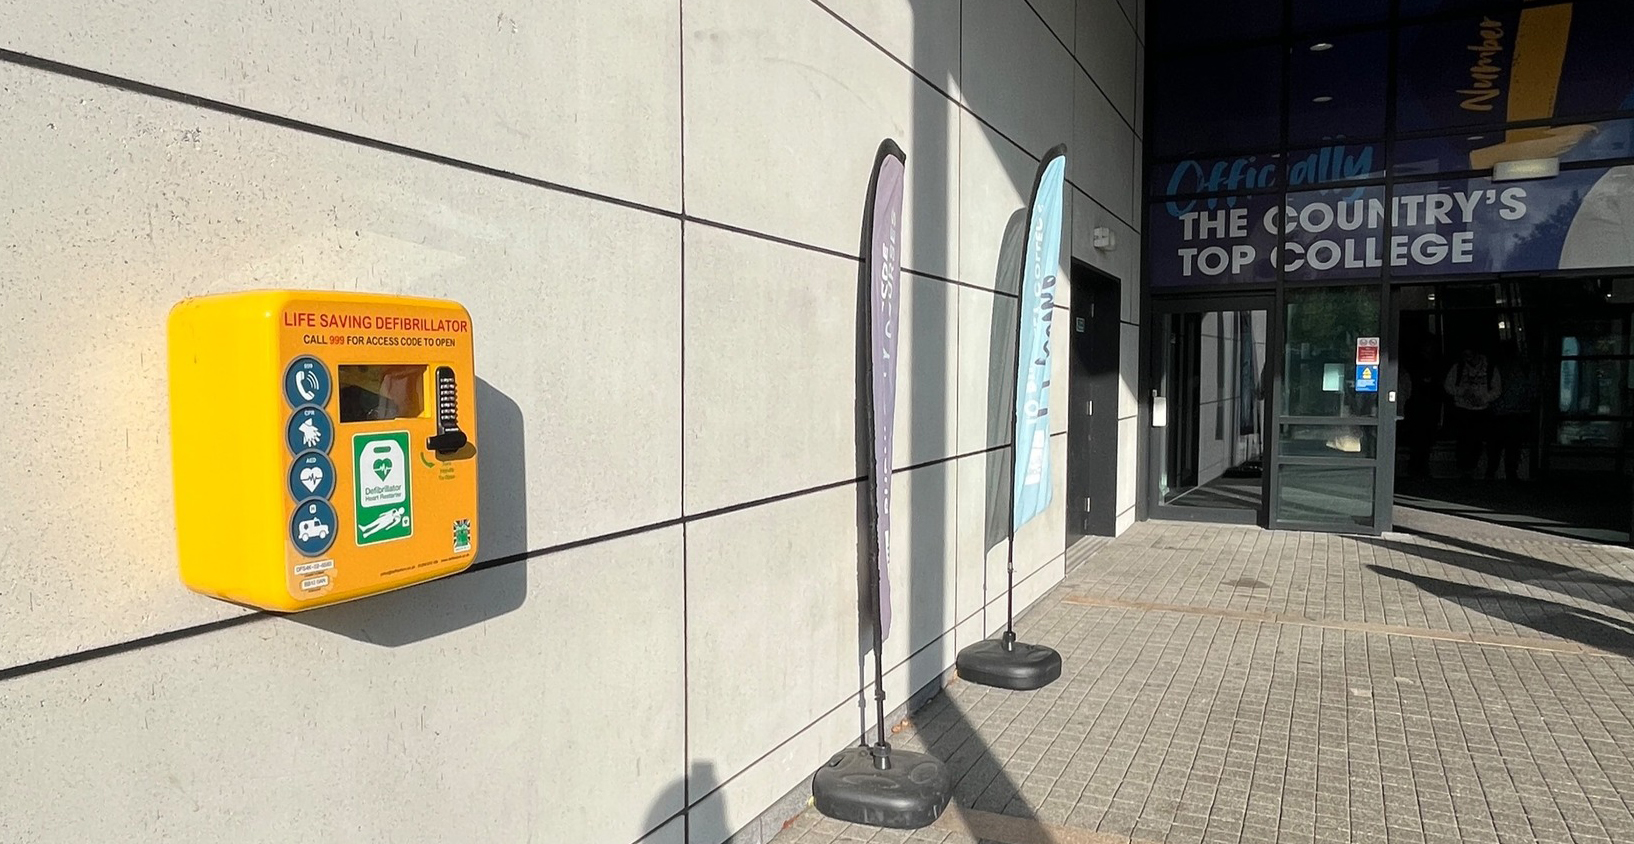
{"points": [[1092, 412]]}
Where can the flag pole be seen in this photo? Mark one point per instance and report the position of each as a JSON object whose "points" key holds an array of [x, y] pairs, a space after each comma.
{"points": [[876, 785], [1005, 663]]}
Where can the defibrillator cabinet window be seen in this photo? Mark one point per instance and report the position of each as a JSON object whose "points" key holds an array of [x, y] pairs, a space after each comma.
{"points": [[370, 393]]}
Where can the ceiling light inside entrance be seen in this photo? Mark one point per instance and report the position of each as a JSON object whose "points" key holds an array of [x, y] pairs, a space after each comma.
{"points": [[1530, 168]]}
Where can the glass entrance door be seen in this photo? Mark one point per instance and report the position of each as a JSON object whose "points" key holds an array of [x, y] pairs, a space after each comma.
{"points": [[1334, 413], [1209, 409]]}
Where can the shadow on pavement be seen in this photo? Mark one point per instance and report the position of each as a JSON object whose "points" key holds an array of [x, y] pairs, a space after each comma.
{"points": [[1584, 584], [1584, 626]]}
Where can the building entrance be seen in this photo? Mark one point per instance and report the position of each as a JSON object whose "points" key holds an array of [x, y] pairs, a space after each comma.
{"points": [[1272, 413], [1518, 403], [1333, 412], [1208, 419]]}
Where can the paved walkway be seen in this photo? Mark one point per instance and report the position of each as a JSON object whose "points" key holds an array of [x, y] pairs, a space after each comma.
{"points": [[1230, 684]]}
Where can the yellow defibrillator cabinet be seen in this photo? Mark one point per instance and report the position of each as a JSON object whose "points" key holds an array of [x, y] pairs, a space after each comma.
{"points": [[323, 444]]}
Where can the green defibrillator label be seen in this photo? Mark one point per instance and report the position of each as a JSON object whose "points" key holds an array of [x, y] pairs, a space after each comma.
{"points": [[384, 504]]}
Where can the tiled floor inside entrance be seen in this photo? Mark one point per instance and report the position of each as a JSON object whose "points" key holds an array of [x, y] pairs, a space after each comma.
{"points": [[1225, 684]]}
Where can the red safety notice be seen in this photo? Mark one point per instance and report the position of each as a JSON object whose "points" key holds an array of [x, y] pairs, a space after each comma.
{"points": [[1367, 351]]}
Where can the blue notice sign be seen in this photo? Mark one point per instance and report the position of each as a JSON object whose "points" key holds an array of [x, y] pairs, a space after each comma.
{"points": [[1367, 378]]}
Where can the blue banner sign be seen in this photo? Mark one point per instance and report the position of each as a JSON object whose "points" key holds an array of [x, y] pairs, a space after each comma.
{"points": [[1247, 173], [1032, 441], [1604, 141], [1420, 157], [1580, 219]]}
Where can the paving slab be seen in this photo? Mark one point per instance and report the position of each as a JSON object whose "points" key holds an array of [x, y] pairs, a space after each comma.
{"points": [[1229, 684]]}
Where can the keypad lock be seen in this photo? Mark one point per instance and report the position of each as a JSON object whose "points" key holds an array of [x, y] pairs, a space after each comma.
{"points": [[449, 438]]}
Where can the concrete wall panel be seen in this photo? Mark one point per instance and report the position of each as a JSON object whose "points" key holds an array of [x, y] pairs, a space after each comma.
{"points": [[582, 92], [1107, 47], [142, 202], [1007, 41], [756, 159], [366, 722]]}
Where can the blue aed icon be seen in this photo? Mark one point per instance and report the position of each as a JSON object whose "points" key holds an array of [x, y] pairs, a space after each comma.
{"points": [[311, 476], [1367, 378]]}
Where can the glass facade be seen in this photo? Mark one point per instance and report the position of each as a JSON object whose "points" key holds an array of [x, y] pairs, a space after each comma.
{"points": [[1368, 131], [1333, 165]]}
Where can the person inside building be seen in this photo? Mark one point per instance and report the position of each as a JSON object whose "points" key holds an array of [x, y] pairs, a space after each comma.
{"points": [[1513, 412], [1472, 384], [1421, 399]]}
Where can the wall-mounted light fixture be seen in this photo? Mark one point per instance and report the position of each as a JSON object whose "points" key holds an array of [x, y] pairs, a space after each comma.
{"points": [[1526, 168], [1102, 238]]}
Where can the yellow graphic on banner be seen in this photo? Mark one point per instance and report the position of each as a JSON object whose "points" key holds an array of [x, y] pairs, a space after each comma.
{"points": [[1534, 83]]}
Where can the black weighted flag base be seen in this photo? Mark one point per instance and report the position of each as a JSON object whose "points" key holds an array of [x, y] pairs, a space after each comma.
{"points": [[1004, 663], [875, 785], [878, 786]]}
